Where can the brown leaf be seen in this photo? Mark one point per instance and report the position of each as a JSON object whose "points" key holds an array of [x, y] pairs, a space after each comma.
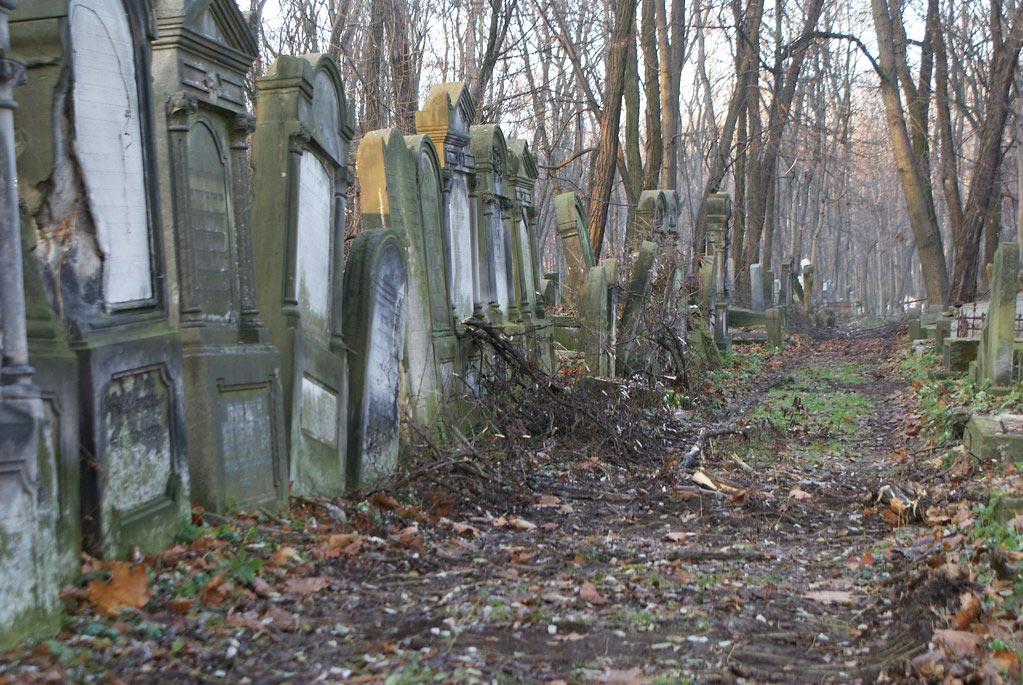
{"points": [[182, 605], [588, 591], [306, 586], [384, 501], [830, 596], [969, 609], [283, 556], [891, 517], [634, 676], [797, 494], [128, 588], [521, 524], [548, 501], [678, 536], [262, 588], [465, 530], [959, 643], [349, 543]]}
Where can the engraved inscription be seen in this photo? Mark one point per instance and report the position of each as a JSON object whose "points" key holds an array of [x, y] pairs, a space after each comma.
{"points": [[109, 144], [248, 444], [315, 226], [380, 405], [460, 248], [208, 221], [319, 411], [138, 464], [326, 114]]}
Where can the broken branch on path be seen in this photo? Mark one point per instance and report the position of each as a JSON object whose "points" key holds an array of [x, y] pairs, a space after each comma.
{"points": [[690, 458], [718, 555]]}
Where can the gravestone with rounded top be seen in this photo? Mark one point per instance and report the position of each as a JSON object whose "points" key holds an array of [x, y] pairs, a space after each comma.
{"points": [[493, 211], [234, 408], [89, 186], [575, 243], [304, 125]]}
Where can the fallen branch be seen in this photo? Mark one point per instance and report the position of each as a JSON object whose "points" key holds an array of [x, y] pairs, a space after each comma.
{"points": [[718, 555], [690, 458]]}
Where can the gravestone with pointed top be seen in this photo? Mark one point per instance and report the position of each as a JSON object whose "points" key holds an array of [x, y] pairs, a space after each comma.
{"points": [[575, 243], [493, 207]]}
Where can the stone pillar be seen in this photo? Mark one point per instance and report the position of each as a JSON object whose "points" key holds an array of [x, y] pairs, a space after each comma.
{"points": [[637, 296], [786, 281], [756, 284], [717, 215], [773, 317], [998, 336], [28, 575]]}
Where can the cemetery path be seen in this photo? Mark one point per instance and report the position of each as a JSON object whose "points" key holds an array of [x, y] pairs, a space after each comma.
{"points": [[791, 572]]}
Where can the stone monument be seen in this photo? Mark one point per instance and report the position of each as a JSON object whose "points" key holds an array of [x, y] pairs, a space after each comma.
{"points": [[300, 181]]}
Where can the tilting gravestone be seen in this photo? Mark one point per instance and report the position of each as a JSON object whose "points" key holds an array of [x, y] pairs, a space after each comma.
{"points": [[648, 221], [388, 176], [575, 244], [997, 350], [637, 297], [375, 316], [493, 205], [594, 333], [717, 214], [28, 572], [300, 180], [234, 410], [526, 255], [90, 213], [445, 117]]}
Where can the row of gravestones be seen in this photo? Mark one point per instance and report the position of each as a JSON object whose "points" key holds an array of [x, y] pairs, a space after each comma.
{"points": [[196, 333]]}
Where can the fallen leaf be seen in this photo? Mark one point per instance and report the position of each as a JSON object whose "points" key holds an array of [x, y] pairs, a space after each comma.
{"points": [[548, 501], [959, 643], [969, 609], [182, 605], [262, 588], [797, 494], [384, 501], [305, 586], [830, 596], [128, 588], [675, 536], [521, 524], [283, 556], [588, 591], [349, 543], [465, 530], [634, 676]]}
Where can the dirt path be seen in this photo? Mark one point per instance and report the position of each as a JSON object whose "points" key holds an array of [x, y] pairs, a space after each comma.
{"points": [[604, 575]]}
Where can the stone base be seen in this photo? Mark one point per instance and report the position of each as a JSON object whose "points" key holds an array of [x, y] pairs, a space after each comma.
{"points": [[745, 318], [997, 437], [957, 353]]}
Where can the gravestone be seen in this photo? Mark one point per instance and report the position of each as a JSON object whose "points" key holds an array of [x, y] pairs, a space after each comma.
{"points": [[575, 243], [445, 118], [997, 343], [786, 281], [648, 221], [718, 212], [522, 175], [493, 209], [774, 320], [670, 229], [637, 296], [234, 410], [756, 284], [594, 316], [374, 326], [90, 211], [807, 286], [300, 181], [388, 174], [29, 605]]}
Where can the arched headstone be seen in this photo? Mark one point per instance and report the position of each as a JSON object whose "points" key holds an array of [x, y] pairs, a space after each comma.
{"points": [[375, 290], [89, 185], [490, 151], [300, 182], [234, 409], [575, 243]]}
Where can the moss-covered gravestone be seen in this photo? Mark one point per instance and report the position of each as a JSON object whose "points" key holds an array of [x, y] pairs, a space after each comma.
{"points": [[717, 214], [300, 181], [234, 408], [997, 340], [648, 220], [89, 183], [594, 331], [389, 178], [637, 296], [493, 206], [445, 118], [575, 244], [375, 316]]}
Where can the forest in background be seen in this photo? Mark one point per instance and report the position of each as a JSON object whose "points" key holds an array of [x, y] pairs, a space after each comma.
{"points": [[878, 139]]}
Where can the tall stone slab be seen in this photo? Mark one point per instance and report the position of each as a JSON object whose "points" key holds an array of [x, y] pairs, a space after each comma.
{"points": [[89, 188], [648, 220], [300, 179], [388, 174], [28, 480], [575, 244], [234, 410], [756, 286], [594, 318], [997, 344], [445, 118], [637, 296], [493, 219], [718, 213], [375, 317]]}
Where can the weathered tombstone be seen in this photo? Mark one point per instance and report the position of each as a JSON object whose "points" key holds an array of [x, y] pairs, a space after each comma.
{"points": [[648, 221], [776, 290], [388, 178], [593, 315], [493, 202], [28, 571], [522, 175], [997, 345], [773, 317], [234, 413], [807, 286], [90, 213], [614, 289], [636, 298], [300, 181], [756, 284], [374, 325], [673, 207], [768, 288], [575, 243], [718, 212], [445, 117], [913, 324]]}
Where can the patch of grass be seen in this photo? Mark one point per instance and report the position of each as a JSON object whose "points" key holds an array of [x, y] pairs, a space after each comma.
{"points": [[842, 372], [831, 413]]}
